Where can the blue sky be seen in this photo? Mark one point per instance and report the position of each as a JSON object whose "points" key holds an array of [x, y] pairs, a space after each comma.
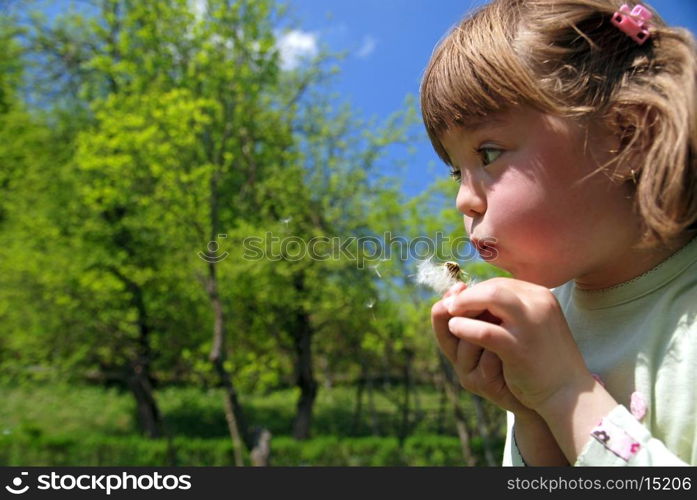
{"points": [[389, 43]]}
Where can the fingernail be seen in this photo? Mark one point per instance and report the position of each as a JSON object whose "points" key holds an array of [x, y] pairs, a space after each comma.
{"points": [[452, 323], [448, 303]]}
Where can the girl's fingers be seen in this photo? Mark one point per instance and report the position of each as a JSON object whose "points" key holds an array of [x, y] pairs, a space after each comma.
{"points": [[446, 341], [455, 289], [467, 356], [439, 321], [482, 333], [493, 296], [491, 366]]}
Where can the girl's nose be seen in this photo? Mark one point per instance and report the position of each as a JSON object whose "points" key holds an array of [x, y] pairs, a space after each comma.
{"points": [[470, 200]]}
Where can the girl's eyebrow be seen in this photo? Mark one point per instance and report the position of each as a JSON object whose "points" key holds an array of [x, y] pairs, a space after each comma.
{"points": [[485, 122], [477, 124]]}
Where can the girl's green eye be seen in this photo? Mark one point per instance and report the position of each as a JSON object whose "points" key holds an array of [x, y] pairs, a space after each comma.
{"points": [[455, 174], [489, 155]]}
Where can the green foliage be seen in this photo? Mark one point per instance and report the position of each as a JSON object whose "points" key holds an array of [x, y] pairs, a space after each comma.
{"points": [[95, 450], [90, 426], [10, 65], [59, 408], [152, 132]]}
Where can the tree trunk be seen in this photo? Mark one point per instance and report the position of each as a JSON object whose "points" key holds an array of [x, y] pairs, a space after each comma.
{"points": [[139, 378], [234, 415], [358, 409], [484, 430], [441, 404], [141, 382], [149, 417], [419, 413], [261, 453], [305, 378], [406, 405], [447, 381], [374, 426]]}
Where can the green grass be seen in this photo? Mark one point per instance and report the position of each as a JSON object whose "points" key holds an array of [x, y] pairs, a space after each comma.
{"points": [[86, 425], [65, 409]]}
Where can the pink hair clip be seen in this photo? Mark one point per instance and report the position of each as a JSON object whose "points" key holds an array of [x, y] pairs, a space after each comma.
{"points": [[635, 23]]}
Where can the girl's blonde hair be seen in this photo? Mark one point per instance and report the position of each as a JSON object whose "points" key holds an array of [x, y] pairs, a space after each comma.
{"points": [[565, 57]]}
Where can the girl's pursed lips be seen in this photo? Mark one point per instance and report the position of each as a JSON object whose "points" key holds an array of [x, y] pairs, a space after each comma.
{"points": [[486, 247], [483, 243]]}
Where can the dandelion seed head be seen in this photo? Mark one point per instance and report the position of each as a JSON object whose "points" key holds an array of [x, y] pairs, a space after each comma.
{"points": [[439, 277]]}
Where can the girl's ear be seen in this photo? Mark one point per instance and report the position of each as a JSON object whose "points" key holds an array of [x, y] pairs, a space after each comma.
{"points": [[607, 142], [630, 129]]}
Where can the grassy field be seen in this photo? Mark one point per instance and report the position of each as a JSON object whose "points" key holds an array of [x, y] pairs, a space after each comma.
{"points": [[85, 425]]}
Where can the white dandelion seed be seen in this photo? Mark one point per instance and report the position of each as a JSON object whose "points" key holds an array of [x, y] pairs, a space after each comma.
{"points": [[439, 277]]}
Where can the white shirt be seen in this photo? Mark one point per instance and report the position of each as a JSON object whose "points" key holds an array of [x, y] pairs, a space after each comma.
{"points": [[640, 339]]}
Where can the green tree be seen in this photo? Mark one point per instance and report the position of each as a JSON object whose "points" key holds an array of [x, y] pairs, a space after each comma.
{"points": [[175, 138], [151, 188]]}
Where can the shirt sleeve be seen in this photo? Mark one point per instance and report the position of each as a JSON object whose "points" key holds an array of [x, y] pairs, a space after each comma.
{"points": [[621, 440], [511, 454]]}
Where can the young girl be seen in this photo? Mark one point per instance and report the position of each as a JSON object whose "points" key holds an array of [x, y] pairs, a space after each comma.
{"points": [[572, 128]]}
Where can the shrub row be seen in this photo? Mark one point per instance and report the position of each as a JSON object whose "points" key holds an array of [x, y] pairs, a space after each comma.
{"points": [[97, 450]]}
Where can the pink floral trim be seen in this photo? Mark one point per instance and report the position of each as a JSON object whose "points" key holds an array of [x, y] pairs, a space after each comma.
{"points": [[616, 440], [638, 405]]}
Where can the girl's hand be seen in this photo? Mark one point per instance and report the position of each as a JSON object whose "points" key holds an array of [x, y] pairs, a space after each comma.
{"points": [[537, 365], [480, 371]]}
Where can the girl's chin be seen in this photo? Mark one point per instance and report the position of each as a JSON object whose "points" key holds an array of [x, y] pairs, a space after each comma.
{"points": [[524, 271], [537, 278]]}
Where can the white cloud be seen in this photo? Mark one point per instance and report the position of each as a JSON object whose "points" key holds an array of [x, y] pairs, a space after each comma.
{"points": [[367, 47], [296, 45]]}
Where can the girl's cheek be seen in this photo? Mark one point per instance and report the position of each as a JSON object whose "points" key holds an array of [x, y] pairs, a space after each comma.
{"points": [[512, 207], [523, 217]]}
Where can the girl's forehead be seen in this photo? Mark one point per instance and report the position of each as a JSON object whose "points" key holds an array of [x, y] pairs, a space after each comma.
{"points": [[515, 124], [512, 117], [493, 120]]}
